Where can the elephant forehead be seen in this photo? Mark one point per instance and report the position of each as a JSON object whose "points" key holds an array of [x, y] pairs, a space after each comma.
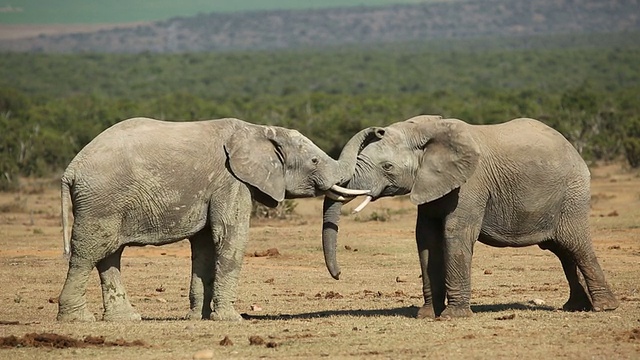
{"points": [[393, 138], [303, 144]]}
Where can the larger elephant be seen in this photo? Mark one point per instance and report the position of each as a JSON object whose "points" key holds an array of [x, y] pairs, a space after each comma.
{"points": [[150, 182], [513, 184]]}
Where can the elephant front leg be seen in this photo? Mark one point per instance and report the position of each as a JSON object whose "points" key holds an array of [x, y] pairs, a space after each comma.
{"points": [[460, 237], [114, 296], [429, 241], [228, 262], [202, 263]]}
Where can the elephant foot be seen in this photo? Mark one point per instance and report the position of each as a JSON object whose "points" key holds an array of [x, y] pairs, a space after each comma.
{"points": [[605, 302], [195, 315], [121, 316], [451, 312], [578, 302], [83, 314], [426, 312], [225, 314]]}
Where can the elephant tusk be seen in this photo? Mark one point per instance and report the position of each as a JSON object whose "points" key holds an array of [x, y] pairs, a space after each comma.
{"points": [[362, 205], [337, 197], [345, 191]]}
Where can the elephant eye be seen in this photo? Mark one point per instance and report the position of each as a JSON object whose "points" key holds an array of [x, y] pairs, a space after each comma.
{"points": [[314, 160], [387, 166]]}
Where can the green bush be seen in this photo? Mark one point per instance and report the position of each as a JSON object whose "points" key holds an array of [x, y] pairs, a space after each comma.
{"points": [[632, 151], [632, 143], [284, 210], [52, 105]]}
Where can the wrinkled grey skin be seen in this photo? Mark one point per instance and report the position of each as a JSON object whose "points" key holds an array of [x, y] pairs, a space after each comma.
{"points": [[514, 184], [149, 182]]}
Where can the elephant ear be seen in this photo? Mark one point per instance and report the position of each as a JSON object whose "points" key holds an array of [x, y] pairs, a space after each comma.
{"points": [[255, 158], [450, 157]]}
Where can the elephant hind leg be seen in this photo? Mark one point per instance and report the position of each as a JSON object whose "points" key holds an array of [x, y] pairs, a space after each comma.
{"points": [[202, 265], [72, 302], [576, 242], [578, 299], [601, 296], [114, 297]]}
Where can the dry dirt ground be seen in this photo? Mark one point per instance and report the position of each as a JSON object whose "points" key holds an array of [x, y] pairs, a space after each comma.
{"points": [[294, 309]]}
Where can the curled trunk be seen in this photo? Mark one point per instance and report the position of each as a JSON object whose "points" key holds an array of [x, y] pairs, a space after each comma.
{"points": [[331, 207], [349, 153]]}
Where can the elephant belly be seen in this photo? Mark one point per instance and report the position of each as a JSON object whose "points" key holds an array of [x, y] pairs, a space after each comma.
{"points": [[517, 229], [159, 225]]}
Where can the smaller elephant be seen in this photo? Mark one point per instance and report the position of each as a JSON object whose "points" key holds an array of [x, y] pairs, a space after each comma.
{"points": [[150, 182], [513, 184]]}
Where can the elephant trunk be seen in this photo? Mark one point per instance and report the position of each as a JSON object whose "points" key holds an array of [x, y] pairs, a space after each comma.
{"points": [[349, 154], [330, 218], [333, 204]]}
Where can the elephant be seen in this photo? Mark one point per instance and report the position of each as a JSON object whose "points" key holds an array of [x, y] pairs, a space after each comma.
{"points": [[151, 182], [513, 184]]}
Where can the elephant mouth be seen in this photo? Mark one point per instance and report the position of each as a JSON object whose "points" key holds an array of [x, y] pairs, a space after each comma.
{"points": [[344, 195]]}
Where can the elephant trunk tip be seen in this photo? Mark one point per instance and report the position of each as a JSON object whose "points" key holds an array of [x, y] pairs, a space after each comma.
{"points": [[335, 274]]}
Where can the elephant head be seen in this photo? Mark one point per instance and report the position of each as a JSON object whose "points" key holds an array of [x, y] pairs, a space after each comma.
{"points": [[425, 156], [280, 163]]}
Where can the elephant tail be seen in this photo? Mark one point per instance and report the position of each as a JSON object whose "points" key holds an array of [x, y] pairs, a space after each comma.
{"points": [[66, 214]]}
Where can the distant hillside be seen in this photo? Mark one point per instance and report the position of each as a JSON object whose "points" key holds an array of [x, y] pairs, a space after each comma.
{"points": [[353, 25], [73, 12]]}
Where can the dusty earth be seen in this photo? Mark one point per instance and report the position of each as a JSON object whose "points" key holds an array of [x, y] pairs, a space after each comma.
{"points": [[294, 309]]}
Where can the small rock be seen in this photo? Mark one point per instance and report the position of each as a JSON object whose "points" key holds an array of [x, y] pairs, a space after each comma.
{"points": [[160, 289], [272, 252], [272, 344], [347, 247], [226, 341], [255, 340], [161, 300], [203, 354], [256, 307], [538, 302], [399, 293], [333, 295], [53, 300], [507, 317], [488, 272], [401, 279], [270, 280]]}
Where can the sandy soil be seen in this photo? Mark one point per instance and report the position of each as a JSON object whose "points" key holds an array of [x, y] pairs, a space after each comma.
{"points": [[294, 309]]}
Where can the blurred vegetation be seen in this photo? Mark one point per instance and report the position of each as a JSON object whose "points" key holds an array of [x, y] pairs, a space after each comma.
{"points": [[285, 210], [53, 105]]}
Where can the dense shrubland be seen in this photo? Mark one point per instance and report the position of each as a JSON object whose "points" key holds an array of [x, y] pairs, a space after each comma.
{"points": [[52, 105]]}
